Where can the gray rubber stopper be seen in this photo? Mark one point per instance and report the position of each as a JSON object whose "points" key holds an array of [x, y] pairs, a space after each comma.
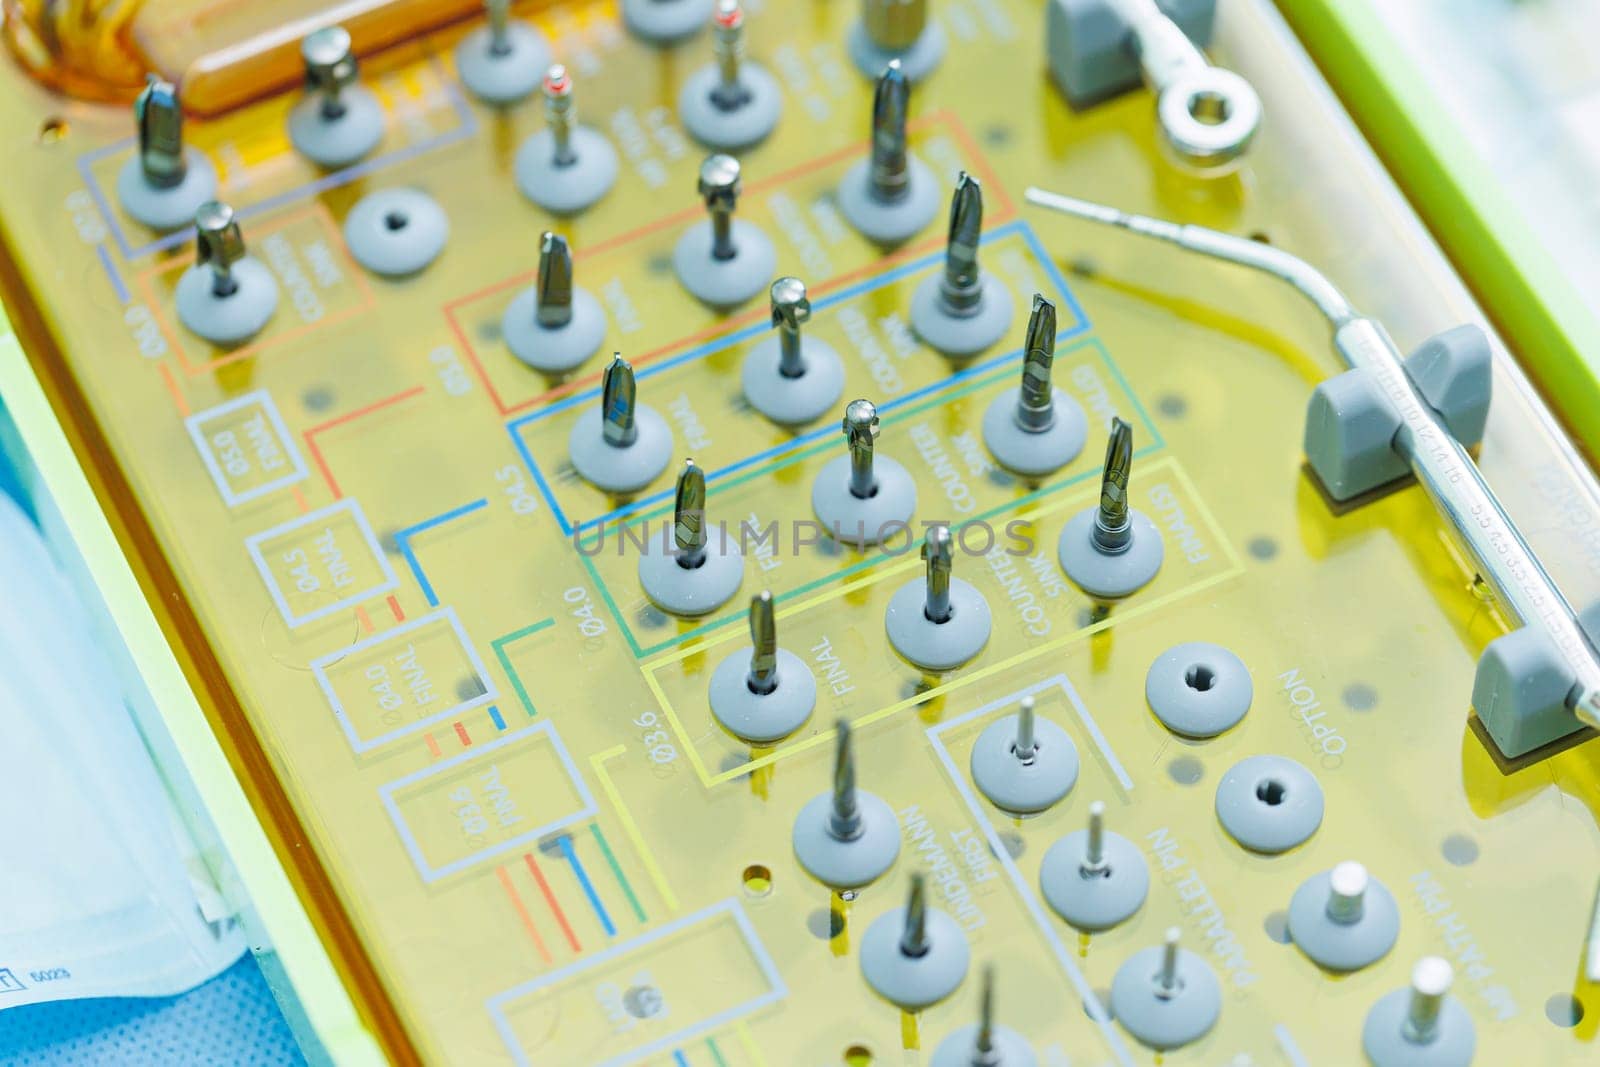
{"points": [[730, 129], [1024, 788], [1198, 689], [725, 283], [1269, 803], [891, 223], [395, 232], [1110, 577], [502, 77], [937, 646], [793, 401], [846, 865], [666, 21], [916, 62], [566, 190], [914, 982], [859, 522], [341, 141], [1097, 900], [692, 591], [959, 1049], [761, 718], [1343, 946], [960, 336], [231, 319], [1384, 1040], [620, 470], [1030, 453], [554, 351], [169, 208], [1166, 1022]]}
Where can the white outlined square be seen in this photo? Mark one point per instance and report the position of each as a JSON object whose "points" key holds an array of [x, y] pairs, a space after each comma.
{"points": [[728, 909], [320, 665], [526, 839], [254, 542], [208, 452]]}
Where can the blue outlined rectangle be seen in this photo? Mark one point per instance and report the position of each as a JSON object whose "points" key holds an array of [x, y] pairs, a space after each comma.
{"points": [[465, 128], [526, 839], [722, 910], [1078, 324]]}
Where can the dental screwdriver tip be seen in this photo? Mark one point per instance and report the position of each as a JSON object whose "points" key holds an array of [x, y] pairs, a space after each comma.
{"points": [[939, 556], [983, 1044], [961, 278]]}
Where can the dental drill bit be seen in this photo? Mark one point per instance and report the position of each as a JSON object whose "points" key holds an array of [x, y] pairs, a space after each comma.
{"points": [[732, 103], [846, 837], [1112, 549], [791, 378], [501, 61], [1166, 996], [961, 288], [1113, 530], [890, 196], [160, 121], [555, 282], [763, 693], [861, 435], [962, 311], [938, 622], [163, 184], [552, 325], [763, 676], [1035, 429], [1094, 878], [938, 558], [985, 1043], [861, 497], [891, 166], [723, 261], [620, 445], [618, 395], [915, 956], [689, 516], [227, 296], [1024, 763], [692, 575], [338, 121], [566, 167]]}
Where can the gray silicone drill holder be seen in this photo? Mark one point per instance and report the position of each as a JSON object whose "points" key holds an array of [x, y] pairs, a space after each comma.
{"points": [[1350, 426], [1520, 691], [1091, 54]]}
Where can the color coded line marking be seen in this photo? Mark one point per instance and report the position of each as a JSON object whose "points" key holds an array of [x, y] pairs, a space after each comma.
{"points": [[499, 645], [550, 899], [565, 841], [716, 1053], [494, 717], [402, 540], [462, 736], [351, 416], [522, 913], [597, 763], [679, 1059], [616, 871]]}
